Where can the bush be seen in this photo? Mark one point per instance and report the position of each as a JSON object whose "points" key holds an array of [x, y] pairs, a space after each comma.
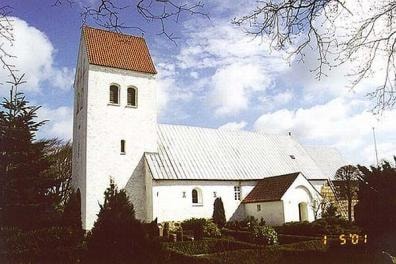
{"points": [[264, 235], [211, 229], [47, 245], [218, 213], [151, 229], [166, 230], [117, 236], [201, 227]]}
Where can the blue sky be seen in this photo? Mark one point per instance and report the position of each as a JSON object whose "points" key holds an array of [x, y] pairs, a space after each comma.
{"points": [[215, 76]]}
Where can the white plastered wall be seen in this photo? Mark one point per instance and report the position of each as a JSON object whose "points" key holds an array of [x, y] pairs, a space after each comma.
{"points": [[271, 212], [80, 127], [299, 191], [169, 204], [106, 126]]}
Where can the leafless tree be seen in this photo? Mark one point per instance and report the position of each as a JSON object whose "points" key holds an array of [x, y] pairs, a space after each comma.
{"points": [[7, 39], [318, 205], [59, 154], [302, 26], [107, 13], [349, 176]]}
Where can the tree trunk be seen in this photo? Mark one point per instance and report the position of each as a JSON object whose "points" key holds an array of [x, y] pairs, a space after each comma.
{"points": [[349, 209]]}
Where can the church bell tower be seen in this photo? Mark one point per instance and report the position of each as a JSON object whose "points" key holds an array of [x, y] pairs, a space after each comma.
{"points": [[115, 118]]}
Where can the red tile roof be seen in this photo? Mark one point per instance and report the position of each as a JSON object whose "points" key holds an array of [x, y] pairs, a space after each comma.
{"points": [[110, 49], [270, 189]]}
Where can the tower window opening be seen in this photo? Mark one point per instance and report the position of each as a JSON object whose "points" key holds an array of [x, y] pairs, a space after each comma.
{"points": [[114, 94], [132, 96]]}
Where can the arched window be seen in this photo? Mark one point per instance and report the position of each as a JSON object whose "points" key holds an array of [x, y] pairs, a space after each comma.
{"points": [[196, 196], [114, 94], [132, 96]]}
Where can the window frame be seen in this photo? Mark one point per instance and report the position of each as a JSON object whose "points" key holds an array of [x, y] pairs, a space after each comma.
{"points": [[135, 89], [237, 193], [118, 94], [199, 197]]}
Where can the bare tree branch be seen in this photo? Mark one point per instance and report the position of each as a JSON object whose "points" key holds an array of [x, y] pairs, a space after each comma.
{"points": [[107, 14], [6, 39], [299, 27], [375, 37], [163, 10]]}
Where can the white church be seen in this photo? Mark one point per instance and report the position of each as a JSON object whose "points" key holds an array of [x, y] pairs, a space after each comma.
{"points": [[173, 172]]}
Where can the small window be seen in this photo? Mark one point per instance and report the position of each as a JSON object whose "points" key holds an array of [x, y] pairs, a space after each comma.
{"points": [[78, 101], [122, 146], [258, 207], [214, 194], [132, 97], [114, 94], [184, 195], [237, 193], [196, 196]]}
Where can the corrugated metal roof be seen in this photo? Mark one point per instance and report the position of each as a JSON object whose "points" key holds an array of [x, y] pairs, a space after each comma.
{"points": [[328, 159], [194, 153]]}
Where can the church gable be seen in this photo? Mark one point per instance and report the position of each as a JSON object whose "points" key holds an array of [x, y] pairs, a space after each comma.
{"points": [[115, 50]]}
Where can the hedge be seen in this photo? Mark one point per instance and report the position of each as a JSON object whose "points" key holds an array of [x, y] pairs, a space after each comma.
{"points": [[207, 246], [244, 236], [174, 257], [54, 244], [328, 226], [287, 239], [304, 252]]}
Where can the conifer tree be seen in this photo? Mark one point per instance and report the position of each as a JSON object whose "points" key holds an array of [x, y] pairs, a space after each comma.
{"points": [[376, 209], [117, 236], [72, 213], [24, 198], [218, 213]]}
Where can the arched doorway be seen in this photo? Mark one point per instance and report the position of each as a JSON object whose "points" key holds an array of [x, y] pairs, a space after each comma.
{"points": [[303, 211]]}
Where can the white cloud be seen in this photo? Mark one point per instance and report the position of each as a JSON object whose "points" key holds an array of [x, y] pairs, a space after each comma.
{"points": [[63, 78], [59, 124], [35, 57], [168, 90], [234, 85], [194, 74], [234, 126], [341, 123], [235, 67]]}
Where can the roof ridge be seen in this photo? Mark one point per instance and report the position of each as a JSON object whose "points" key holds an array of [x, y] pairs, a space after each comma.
{"points": [[227, 131], [113, 32]]}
